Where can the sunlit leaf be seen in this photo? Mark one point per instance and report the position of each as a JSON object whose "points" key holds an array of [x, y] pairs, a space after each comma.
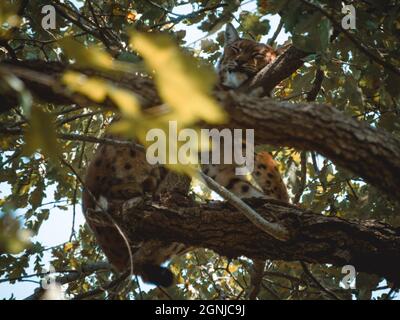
{"points": [[126, 101], [181, 82], [89, 57], [94, 89]]}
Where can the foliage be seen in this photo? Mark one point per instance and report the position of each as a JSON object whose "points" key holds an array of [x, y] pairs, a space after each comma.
{"points": [[115, 36]]}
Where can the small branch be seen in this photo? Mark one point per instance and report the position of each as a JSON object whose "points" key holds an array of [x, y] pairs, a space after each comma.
{"points": [[76, 117], [316, 87], [93, 293], [303, 177], [256, 277], [188, 16], [317, 283], [276, 33], [283, 66], [273, 229], [76, 137]]}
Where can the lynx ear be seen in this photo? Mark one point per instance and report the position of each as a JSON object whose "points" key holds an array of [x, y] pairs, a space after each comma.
{"points": [[231, 35]]}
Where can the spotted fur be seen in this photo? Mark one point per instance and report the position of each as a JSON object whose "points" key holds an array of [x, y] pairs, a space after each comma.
{"points": [[115, 175]]}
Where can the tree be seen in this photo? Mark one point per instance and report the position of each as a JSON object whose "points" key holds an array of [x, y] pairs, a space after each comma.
{"points": [[327, 108]]}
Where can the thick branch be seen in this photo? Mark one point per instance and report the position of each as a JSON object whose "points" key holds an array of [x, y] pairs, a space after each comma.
{"points": [[269, 77], [371, 153], [370, 246]]}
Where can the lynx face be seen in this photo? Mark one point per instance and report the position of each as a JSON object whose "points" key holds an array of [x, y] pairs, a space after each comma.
{"points": [[242, 59]]}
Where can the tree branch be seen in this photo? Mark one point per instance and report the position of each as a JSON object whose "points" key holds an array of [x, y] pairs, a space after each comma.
{"points": [[371, 153], [74, 275], [370, 246], [283, 66], [273, 229]]}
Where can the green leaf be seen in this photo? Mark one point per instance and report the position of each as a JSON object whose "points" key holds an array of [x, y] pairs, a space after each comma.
{"points": [[36, 196]]}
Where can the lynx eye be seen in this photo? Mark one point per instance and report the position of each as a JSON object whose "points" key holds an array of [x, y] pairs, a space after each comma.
{"points": [[258, 55], [235, 49]]}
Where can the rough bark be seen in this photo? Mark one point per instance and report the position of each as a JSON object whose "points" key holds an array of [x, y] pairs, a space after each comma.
{"points": [[369, 246], [274, 73], [370, 153]]}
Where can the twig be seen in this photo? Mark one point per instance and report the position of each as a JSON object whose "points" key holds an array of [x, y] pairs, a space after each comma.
{"points": [[303, 177], [317, 283], [276, 33], [256, 277], [271, 291], [188, 16], [113, 142], [108, 286], [352, 189], [74, 196], [316, 86], [73, 275], [138, 285], [275, 230], [76, 117]]}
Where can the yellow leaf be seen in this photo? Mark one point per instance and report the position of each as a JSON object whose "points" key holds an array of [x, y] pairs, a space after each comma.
{"points": [[41, 134], [126, 101], [74, 263], [296, 157], [68, 246], [232, 268], [131, 16], [8, 14], [182, 84], [89, 57], [93, 88], [330, 177]]}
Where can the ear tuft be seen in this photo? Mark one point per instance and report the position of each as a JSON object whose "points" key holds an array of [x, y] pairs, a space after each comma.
{"points": [[231, 34]]}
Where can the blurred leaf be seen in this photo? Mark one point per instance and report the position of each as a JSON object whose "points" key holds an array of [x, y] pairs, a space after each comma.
{"points": [[13, 239], [41, 134], [94, 89], [175, 73], [126, 101], [88, 57]]}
